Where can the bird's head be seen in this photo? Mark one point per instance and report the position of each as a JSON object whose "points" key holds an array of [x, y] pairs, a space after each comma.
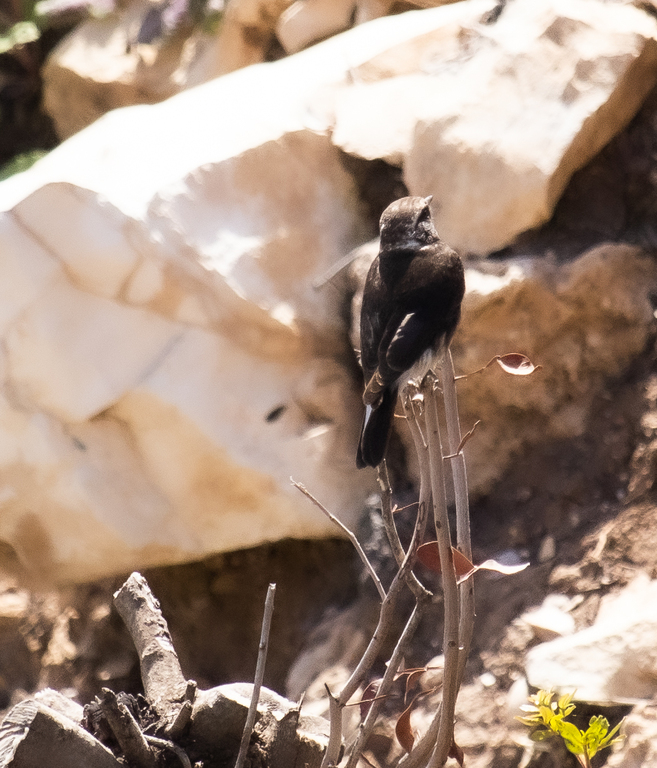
{"points": [[406, 223]]}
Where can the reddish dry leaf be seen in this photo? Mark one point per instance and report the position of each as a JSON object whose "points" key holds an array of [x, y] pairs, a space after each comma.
{"points": [[429, 556], [456, 753], [462, 566], [403, 730], [516, 364], [369, 696]]}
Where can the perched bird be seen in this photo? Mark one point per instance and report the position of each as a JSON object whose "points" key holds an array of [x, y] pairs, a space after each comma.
{"points": [[411, 307]]}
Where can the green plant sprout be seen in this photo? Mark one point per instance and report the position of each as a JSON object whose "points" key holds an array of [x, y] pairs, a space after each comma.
{"points": [[547, 717]]}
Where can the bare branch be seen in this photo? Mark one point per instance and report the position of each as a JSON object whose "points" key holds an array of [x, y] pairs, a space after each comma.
{"points": [[465, 439], [463, 541], [127, 731], [350, 534], [388, 679], [332, 754], [445, 719], [259, 675], [393, 537]]}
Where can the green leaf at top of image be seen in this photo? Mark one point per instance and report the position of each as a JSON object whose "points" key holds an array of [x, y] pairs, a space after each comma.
{"points": [[19, 34], [21, 162]]}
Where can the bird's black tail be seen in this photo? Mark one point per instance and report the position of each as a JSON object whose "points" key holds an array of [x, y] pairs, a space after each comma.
{"points": [[376, 431]]}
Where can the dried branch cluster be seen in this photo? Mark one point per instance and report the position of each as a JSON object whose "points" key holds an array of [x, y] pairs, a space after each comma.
{"points": [[440, 451], [174, 724], [422, 413]]}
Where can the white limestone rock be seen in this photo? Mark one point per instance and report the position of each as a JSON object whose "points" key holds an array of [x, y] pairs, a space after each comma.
{"points": [[166, 364], [638, 748], [307, 21], [551, 619], [493, 120], [613, 661]]}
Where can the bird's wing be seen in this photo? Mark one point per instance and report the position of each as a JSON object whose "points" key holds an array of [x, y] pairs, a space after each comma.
{"points": [[413, 337]]}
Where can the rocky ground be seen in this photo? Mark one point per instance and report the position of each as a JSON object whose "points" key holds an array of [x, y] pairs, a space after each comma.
{"points": [[582, 510], [587, 532]]}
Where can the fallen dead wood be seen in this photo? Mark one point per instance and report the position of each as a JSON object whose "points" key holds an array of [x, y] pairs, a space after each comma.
{"points": [[173, 724]]}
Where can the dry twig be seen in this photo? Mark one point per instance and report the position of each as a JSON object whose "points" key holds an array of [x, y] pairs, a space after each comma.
{"points": [[259, 675]]}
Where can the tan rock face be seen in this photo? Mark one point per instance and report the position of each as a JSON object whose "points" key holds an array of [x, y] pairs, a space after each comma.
{"points": [[308, 21], [493, 120], [164, 377], [166, 362], [582, 322]]}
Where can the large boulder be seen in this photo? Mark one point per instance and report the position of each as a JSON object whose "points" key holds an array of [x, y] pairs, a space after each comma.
{"points": [[493, 119], [167, 361], [168, 364], [583, 322], [614, 660]]}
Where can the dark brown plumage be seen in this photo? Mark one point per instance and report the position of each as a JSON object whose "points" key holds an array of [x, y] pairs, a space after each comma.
{"points": [[411, 307]]}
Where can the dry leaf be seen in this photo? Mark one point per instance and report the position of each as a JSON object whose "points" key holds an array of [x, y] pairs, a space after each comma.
{"points": [[403, 728], [369, 696], [493, 565], [516, 364], [456, 753], [428, 555]]}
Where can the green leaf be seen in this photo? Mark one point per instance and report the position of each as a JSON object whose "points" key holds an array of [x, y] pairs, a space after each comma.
{"points": [[541, 735], [530, 722], [574, 738], [20, 33], [566, 701], [21, 163], [609, 738]]}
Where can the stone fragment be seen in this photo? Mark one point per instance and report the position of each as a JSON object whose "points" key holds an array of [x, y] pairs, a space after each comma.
{"points": [[99, 66], [246, 33], [307, 21], [34, 734], [289, 740], [551, 619], [612, 661], [14, 604], [493, 120]]}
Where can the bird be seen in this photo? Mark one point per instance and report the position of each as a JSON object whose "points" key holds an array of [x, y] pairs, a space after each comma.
{"points": [[410, 310]]}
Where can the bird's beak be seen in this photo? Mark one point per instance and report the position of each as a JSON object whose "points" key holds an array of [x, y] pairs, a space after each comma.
{"points": [[428, 199]]}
